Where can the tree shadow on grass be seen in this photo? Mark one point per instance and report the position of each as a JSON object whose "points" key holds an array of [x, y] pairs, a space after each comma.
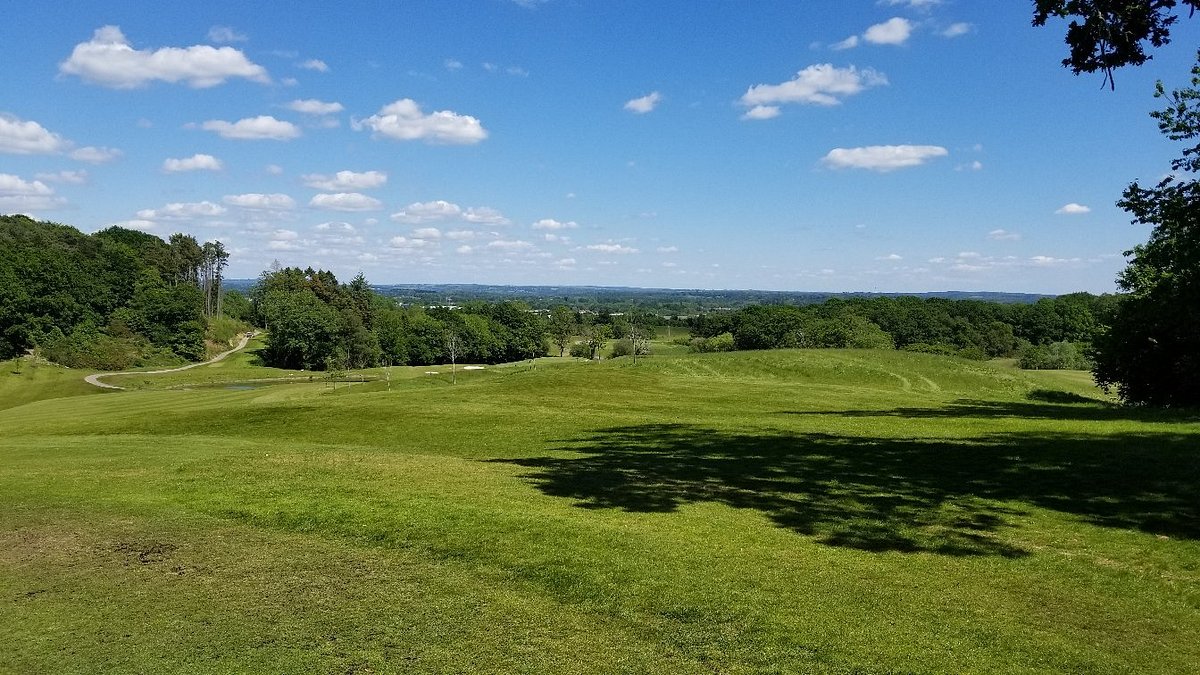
{"points": [[1063, 408], [876, 494]]}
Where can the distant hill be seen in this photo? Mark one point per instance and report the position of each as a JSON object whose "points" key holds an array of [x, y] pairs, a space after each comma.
{"points": [[675, 300]]}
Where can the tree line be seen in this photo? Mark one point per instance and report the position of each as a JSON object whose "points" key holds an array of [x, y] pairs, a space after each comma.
{"points": [[113, 299], [968, 328]]}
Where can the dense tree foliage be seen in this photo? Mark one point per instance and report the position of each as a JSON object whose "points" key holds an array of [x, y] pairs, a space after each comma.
{"points": [[112, 299], [1107, 34], [935, 325], [1152, 352], [314, 322]]}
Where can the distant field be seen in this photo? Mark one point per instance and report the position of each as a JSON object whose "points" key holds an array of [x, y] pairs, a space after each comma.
{"points": [[788, 511]]}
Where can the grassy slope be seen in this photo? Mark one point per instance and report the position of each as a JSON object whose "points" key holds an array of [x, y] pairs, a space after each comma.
{"points": [[751, 512]]}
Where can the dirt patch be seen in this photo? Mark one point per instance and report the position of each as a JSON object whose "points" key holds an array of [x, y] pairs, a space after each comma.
{"points": [[146, 553]]}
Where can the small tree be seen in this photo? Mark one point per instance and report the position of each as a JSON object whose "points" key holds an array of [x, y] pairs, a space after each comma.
{"points": [[562, 327], [596, 337]]}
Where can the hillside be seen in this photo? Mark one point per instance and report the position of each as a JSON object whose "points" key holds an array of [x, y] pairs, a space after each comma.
{"points": [[796, 510]]}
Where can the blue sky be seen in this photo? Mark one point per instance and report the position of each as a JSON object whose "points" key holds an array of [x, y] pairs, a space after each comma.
{"points": [[887, 145]]}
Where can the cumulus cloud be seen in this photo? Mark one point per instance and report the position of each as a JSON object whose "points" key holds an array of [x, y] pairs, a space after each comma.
{"points": [[69, 177], [183, 211], [404, 121], [95, 155], [762, 112], [109, 61], [405, 243], [956, 30], [220, 34], [315, 64], [312, 106], [1073, 209], [894, 31], [463, 250], [511, 246], [345, 201], [441, 210], [427, 233], [18, 194], [345, 181], [611, 248], [667, 249], [263, 127], [1050, 261], [255, 200], [922, 5], [849, 43], [452, 64], [644, 104], [334, 226], [1003, 235], [197, 162], [883, 158], [819, 84], [136, 224], [891, 256], [460, 235], [26, 137], [552, 224]]}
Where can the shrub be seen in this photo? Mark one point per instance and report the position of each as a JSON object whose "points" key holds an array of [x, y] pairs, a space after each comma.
{"points": [[926, 348], [1055, 356], [973, 353], [580, 350], [717, 343]]}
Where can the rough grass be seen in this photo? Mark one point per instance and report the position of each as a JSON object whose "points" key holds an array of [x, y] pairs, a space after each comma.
{"points": [[794, 511]]}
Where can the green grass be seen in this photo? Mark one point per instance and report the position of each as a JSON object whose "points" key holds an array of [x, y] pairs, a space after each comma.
{"points": [[792, 511]]}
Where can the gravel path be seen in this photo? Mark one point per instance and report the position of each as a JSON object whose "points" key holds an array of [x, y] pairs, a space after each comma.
{"points": [[95, 379]]}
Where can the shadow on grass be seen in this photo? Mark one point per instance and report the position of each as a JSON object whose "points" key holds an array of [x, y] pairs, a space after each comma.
{"points": [[1064, 407], [875, 494]]}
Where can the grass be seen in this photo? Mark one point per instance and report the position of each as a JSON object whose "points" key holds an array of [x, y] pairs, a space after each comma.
{"points": [[792, 511]]}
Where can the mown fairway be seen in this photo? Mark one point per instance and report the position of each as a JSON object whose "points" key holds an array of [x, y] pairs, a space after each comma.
{"points": [[794, 511]]}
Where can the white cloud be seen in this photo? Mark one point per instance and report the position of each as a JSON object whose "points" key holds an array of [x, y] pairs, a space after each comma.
{"points": [[183, 211], [312, 106], [668, 249], [197, 162], [883, 158], [762, 112], [461, 235], [1073, 209], [427, 233], [424, 212], [518, 71], [463, 250], [255, 200], [452, 64], [1003, 235], [345, 201], [485, 215], [820, 84], [1050, 261], [315, 64], [558, 238], [274, 169], [345, 181], [611, 248], [285, 235], [108, 60], [404, 121], [95, 155], [564, 262], [18, 194], [510, 245], [552, 224], [970, 166], [263, 127], [404, 243], [849, 43], [332, 226], [221, 34], [890, 256], [956, 30], [70, 177], [894, 31], [20, 137], [644, 104]]}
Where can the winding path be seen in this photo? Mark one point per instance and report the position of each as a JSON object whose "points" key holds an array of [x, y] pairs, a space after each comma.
{"points": [[95, 378]]}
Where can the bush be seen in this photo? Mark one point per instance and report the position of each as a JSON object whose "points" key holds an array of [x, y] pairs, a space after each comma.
{"points": [[973, 353], [580, 350], [717, 343], [622, 347], [1055, 356]]}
